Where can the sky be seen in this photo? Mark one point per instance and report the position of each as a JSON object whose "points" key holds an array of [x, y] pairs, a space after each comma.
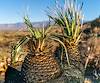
{"points": [[13, 11]]}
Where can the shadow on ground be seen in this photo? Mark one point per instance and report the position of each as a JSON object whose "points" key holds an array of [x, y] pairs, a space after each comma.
{"points": [[13, 76]]}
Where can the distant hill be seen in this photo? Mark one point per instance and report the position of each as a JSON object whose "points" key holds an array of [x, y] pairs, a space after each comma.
{"points": [[92, 26], [93, 23], [18, 26], [89, 25]]}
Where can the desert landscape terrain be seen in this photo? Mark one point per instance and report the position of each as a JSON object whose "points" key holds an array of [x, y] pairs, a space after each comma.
{"points": [[90, 46]]}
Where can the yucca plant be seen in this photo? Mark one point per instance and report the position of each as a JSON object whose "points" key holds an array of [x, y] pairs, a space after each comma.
{"points": [[16, 49], [70, 19], [40, 64]]}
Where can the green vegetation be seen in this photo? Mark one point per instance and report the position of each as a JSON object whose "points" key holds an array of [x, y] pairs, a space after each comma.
{"points": [[69, 18], [39, 55]]}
